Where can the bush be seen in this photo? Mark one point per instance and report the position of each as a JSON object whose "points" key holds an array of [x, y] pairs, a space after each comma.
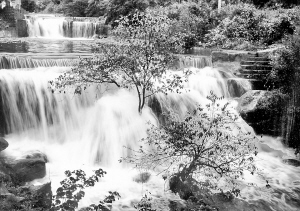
{"points": [[41, 5], [28, 5]]}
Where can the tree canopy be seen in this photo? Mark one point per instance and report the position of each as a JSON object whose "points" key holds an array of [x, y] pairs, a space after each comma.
{"points": [[139, 60], [208, 144]]}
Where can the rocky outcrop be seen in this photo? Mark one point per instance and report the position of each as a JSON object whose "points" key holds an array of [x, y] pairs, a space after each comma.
{"points": [[263, 110], [203, 199], [14, 172], [22, 29], [3, 144], [25, 170]]}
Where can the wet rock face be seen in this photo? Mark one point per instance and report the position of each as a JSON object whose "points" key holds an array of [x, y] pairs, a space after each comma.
{"points": [[3, 144], [263, 110]]}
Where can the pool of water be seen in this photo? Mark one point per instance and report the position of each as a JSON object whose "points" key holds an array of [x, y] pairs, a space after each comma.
{"points": [[41, 45]]}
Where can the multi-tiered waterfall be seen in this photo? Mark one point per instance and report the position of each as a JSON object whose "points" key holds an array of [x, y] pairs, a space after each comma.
{"points": [[61, 27], [89, 130]]}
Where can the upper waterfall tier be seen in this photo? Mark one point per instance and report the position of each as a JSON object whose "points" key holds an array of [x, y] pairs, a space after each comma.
{"points": [[60, 27]]}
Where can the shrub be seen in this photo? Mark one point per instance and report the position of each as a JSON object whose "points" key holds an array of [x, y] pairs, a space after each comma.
{"points": [[28, 5], [41, 5]]}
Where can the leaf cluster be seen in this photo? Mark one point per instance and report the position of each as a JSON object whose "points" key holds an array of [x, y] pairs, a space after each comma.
{"points": [[72, 191]]}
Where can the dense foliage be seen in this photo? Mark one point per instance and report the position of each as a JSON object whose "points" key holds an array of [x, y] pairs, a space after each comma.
{"points": [[208, 145], [244, 27], [138, 61], [241, 24], [28, 5], [286, 66]]}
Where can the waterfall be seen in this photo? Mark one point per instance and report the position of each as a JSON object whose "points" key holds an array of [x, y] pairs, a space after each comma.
{"points": [[88, 130], [29, 105], [60, 27], [194, 61], [14, 62]]}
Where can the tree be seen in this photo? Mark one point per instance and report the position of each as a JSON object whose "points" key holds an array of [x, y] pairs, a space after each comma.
{"points": [[75, 8], [139, 60], [118, 8], [208, 144], [96, 8]]}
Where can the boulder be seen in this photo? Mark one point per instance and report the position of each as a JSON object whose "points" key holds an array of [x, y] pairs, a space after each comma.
{"points": [[25, 170], [263, 110], [35, 154], [292, 162], [204, 199], [3, 144]]}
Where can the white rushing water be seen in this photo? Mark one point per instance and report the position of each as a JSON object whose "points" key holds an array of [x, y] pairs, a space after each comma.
{"points": [[90, 130], [59, 27]]}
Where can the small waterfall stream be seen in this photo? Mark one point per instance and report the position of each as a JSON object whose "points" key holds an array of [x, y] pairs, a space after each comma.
{"points": [[60, 27]]}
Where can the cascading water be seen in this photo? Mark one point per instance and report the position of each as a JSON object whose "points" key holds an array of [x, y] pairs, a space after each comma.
{"points": [[194, 61], [88, 130], [59, 27], [83, 132], [15, 62]]}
